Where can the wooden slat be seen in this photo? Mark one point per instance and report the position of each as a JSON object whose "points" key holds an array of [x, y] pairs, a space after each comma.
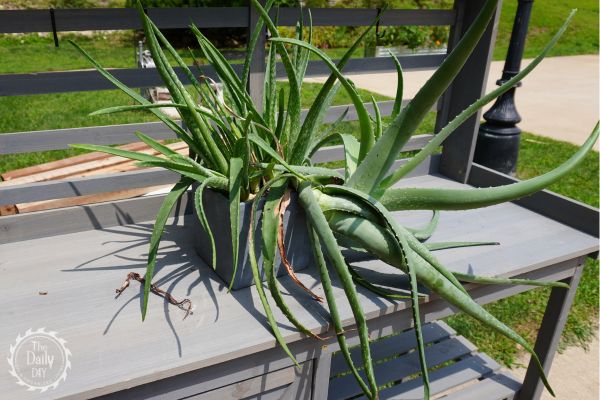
{"points": [[393, 345], [91, 80], [56, 139], [24, 21], [24, 142], [398, 368], [468, 369], [365, 17], [499, 386], [250, 387]]}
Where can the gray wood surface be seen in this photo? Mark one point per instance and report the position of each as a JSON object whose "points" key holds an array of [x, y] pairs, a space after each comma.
{"points": [[81, 270], [499, 386], [468, 86]]}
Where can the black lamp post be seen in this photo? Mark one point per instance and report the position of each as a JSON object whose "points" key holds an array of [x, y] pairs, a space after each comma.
{"points": [[498, 138]]}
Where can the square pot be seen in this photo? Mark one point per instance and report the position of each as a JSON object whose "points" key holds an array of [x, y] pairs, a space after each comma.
{"points": [[216, 207]]}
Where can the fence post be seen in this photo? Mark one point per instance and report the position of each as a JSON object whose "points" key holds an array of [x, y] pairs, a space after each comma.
{"points": [[257, 65], [468, 86], [499, 137]]}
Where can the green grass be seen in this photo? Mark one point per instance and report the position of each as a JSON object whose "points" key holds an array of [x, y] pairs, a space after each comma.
{"points": [[547, 16], [524, 311]]}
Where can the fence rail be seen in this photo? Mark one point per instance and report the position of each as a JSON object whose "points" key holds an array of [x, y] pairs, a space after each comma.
{"points": [[117, 19], [29, 21]]}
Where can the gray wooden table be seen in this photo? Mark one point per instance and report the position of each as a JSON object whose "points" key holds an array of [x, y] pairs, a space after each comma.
{"points": [[226, 340]]}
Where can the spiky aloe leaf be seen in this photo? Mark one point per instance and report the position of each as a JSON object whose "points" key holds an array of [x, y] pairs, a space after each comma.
{"points": [[159, 225], [333, 309], [351, 153], [236, 165], [377, 163], [316, 218], [399, 87], [455, 245], [321, 103], [199, 205], [507, 281], [366, 130], [426, 232], [439, 138], [465, 199]]}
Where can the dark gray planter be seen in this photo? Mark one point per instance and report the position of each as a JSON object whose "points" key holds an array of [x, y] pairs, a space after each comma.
{"points": [[296, 240]]}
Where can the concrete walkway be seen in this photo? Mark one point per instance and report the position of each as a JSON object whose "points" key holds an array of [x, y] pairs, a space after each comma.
{"points": [[559, 99]]}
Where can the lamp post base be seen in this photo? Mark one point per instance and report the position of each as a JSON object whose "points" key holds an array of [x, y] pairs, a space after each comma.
{"points": [[498, 147]]}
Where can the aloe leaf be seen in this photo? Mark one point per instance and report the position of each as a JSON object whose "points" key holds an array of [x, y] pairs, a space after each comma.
{"points": [[132, 155], [235, 184], [455, 245], [399, 87], [305, 170], [398, 230], [377, 163], [199, 205], [159, 225], [265, 146], [181, 133], [327, 136], [388, 294], [161, 148], [270, 102], [293, 110], [351, 153], [333, 310], [414, 292], [366, 130], [251, 46], [378, 121], [197, 124], [270, 223], [138, 107], [303, 55], [321, 103], [427, 231], [380, 241], [439, 138], [256, 273], [319, 222], [182, 169], [464, 199], [507, 281]]}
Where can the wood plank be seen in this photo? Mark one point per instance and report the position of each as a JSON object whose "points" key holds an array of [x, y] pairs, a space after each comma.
{"points": [[398, 368], [83, 200], [250, 387], [24, 21], [65, 162], [467, 369], [499, 386], [56, 139], [393, 345]]}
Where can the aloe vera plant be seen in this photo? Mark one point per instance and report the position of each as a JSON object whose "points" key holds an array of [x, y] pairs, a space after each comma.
{"points": [[252, 152]]}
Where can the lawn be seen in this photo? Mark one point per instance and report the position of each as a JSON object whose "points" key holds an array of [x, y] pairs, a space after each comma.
{"points": [[547, 16]]}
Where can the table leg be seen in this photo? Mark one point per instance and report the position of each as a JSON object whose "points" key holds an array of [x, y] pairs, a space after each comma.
{"points": [[321, 369], [555, 317]]}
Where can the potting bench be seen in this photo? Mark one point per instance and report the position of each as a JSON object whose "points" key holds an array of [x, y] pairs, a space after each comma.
{"points": [[60, 268]]}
